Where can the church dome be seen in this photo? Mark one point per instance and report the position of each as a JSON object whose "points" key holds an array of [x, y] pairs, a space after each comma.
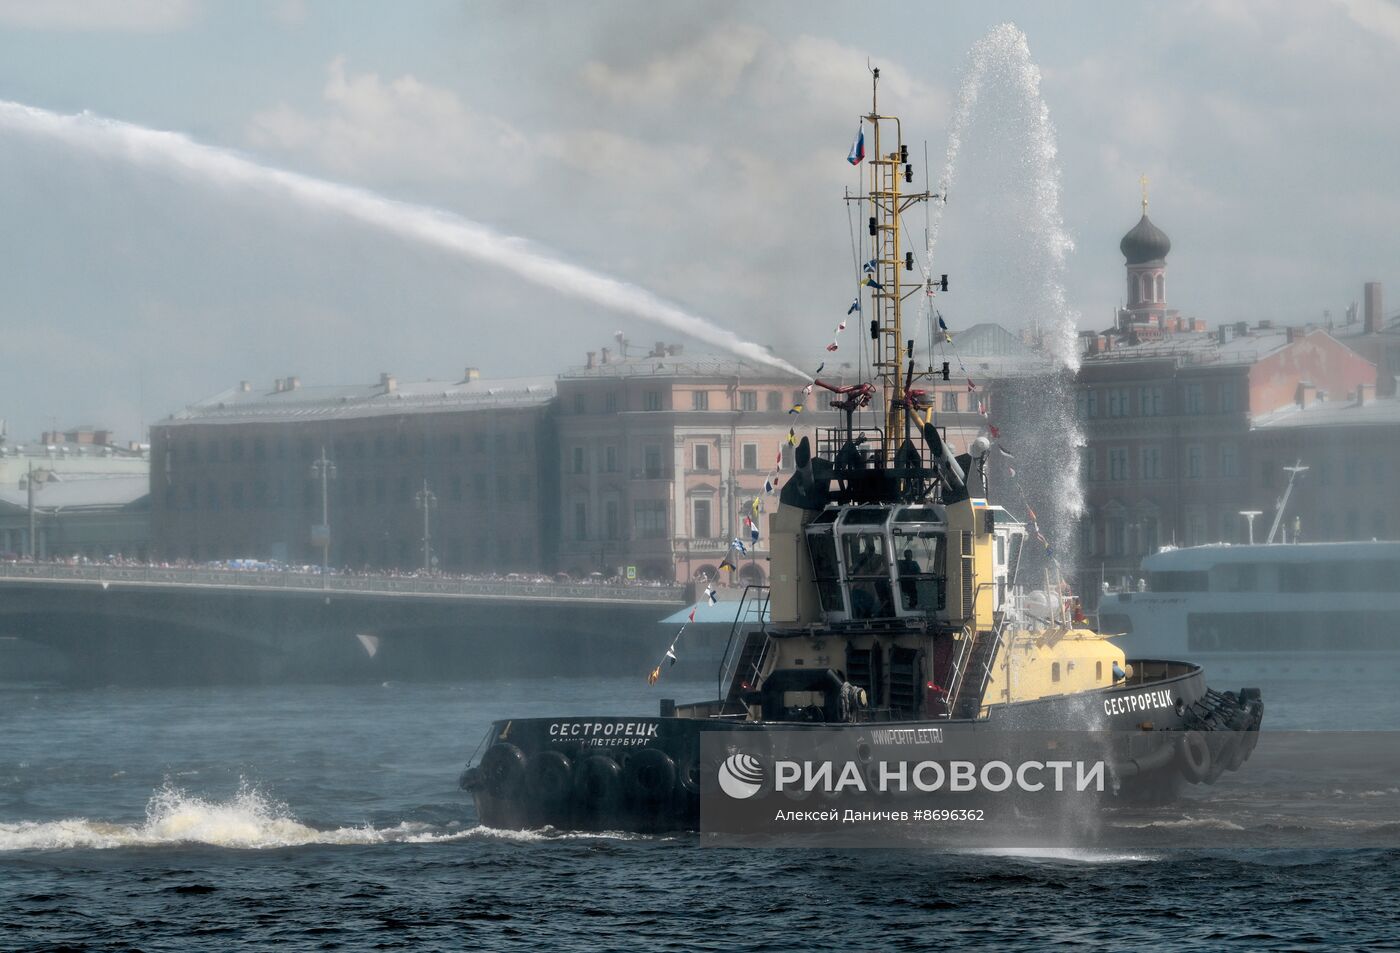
{"points": [[1146, 242]]}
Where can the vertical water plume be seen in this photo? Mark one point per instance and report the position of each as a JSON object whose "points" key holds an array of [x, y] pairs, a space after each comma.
{"points": [[999, 103], [180, 155]]}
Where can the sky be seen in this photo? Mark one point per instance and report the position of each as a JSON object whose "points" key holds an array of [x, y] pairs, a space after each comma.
{"points": [[695, 150]]}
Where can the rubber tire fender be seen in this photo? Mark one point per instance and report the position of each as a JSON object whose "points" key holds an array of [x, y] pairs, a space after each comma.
{"points": [[1193, 756], [597, 782], [649, 775], [549, 780], [502, 769]]}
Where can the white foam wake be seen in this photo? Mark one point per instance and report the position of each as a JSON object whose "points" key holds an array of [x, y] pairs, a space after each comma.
{"points": [[178, 154], [249, 820]]}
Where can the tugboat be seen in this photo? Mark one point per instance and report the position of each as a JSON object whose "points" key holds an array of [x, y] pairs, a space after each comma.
{"points": [[894, 618]]}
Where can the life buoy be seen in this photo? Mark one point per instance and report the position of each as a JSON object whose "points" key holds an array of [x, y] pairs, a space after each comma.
{"points": [[597, 783], [1193, 756], [502, 768], [650, 775], [549, 779]]}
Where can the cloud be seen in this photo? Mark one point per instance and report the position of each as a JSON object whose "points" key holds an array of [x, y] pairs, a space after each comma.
{"points": [[709, 67], [372, 129], [134, 16]]}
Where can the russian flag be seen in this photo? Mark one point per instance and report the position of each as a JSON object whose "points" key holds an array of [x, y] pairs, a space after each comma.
{"points": [[857, 148]]}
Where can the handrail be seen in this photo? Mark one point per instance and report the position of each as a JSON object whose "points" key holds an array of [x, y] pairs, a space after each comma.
{"points": [[261, 579], [739, 617]]}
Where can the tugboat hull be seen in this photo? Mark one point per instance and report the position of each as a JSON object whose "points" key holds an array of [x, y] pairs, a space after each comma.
{"points": [[644, 774]]}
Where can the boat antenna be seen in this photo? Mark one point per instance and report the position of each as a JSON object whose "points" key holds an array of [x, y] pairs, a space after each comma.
{"points": [[1292, 472], [889, 167]]}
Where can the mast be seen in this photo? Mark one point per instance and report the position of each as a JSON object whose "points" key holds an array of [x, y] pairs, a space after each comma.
{"points": [[889, 162]]}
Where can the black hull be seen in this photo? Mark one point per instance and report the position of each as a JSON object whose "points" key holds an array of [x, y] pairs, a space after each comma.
{"points": [[644, 774]]}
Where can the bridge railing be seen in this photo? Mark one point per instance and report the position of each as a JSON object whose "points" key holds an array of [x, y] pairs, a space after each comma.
{"points": [[302, 580]]}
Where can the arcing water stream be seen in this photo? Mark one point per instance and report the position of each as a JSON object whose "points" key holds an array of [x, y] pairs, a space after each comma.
{"points": [[172, 152], [1001, 93]]}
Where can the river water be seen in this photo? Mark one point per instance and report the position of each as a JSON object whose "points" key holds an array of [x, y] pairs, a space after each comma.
{"points": [[328, 817]]}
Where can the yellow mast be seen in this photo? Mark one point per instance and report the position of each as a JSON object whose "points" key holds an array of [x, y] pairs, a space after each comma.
{"points": [[887, 202]]}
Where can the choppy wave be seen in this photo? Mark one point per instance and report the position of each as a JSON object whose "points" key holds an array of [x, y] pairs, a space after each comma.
{"points": [[250, 820]]}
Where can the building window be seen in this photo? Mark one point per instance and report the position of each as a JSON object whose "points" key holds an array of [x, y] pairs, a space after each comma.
{"points": [[699, 400], [1086, 464], [651, 400], [478, 443], [651, 461], [775, 401], [1193, 398], [214, 450], [1229, 460], [950, 401], [610, 459], [479, 487], [749, 456], [701, 520], [523, 488], [1118, 463], [748, 400], [403, 489], [1150, 401], [236, 496], [1229, 397], [578, 460], [579, 405], [1266, 474], [1087, 402], [610, 402], [614, 529], [702, 456], [1195, 461], [235, 448], [580, 520], [1119, 404], [502, 488], [1161, 288], [649, 519], [1151, 463]]}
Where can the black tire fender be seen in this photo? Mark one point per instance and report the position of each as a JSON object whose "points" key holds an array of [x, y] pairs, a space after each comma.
{"points": [[649, 775], [502, 769], [1193, 756], [549, 779], [597, 782]]}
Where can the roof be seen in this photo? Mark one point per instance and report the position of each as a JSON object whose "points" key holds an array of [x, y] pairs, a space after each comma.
{"points": [[702, 366], [1381, 412], [365, 400], [1196, 347], [1198, 558], [82, 491]]}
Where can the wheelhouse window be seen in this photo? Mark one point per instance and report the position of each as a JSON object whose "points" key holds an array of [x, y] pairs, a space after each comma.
{"points": [[868, 575], [919, 565]]}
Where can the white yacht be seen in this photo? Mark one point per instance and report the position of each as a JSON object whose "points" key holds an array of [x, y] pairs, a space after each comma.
{"points": [[1267, 607]]}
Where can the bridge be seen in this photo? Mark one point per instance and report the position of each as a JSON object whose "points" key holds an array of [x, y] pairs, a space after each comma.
{"points": [[121, 624]]}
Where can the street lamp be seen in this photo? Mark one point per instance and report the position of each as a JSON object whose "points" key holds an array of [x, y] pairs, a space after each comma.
{"points": [[325, 471], [425, 499]]}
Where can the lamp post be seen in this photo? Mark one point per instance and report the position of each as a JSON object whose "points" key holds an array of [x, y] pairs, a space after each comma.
{"points": [[324, 469], [425, 499]]}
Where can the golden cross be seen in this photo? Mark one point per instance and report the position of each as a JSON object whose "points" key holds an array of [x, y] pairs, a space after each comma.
{"points": [[1143, 180]]}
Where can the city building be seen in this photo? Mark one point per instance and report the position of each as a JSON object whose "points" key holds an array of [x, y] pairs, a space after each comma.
{"points": [[662, 453], [240, 475], [1351, 448], [1167, 410], [1376, 337], [89, 496]]}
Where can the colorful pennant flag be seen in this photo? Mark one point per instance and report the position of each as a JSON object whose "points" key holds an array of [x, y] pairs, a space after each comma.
{"points": [[710, 594], [855, 306], [727, 564], [808, 388], [791, 439], [941, 325], [655, 674], [795, 409], [873, 283], [737, 543]]}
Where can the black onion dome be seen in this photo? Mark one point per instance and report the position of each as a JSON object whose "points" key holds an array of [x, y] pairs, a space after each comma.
{"points": [[1146, 242]]}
